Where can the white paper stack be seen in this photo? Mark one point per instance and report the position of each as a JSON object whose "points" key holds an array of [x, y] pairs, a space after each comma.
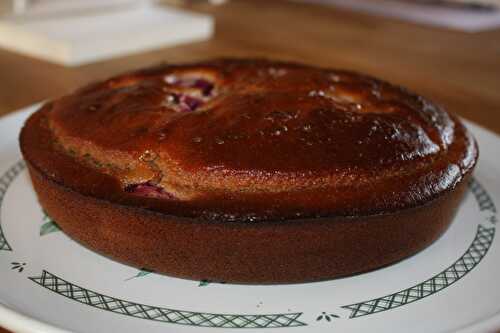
{"points": [[83, 37]]}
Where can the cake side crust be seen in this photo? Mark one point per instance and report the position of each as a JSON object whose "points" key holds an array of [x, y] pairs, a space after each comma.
{"points": [[302, 250]]}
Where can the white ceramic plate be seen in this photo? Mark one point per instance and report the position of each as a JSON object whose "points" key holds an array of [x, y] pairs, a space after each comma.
{"points": [[49, 283]]}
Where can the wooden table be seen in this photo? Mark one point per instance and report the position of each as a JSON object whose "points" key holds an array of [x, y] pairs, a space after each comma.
{"points": [[458, 70]]}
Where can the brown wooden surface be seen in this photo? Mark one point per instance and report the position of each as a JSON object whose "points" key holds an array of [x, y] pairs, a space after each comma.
{"points": [[458, 70]]}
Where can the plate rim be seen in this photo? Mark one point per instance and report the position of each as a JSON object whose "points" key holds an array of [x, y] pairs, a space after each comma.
{"points": [[18, 322]]}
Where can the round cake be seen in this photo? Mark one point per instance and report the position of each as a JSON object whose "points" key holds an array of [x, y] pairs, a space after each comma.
{"points": [[249, 171]]}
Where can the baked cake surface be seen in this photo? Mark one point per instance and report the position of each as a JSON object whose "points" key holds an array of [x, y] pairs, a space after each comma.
{"points": [[261, 140], [338, 172]]}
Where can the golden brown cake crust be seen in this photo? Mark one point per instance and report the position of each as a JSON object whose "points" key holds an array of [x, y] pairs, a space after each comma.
{"points": [[251, 140]]}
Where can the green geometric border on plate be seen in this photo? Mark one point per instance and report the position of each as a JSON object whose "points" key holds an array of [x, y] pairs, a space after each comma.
{"points": [[172, 316], [476, 251], [470, 259], [5, 180], [482, 197]]}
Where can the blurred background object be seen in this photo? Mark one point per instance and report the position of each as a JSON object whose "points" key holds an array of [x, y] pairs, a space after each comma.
{"points": [[64, 31], [479, 4], [39, 7], [469, 16]]}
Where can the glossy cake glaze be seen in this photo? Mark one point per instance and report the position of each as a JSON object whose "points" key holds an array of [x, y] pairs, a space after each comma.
{"points": [[259, 141]]}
